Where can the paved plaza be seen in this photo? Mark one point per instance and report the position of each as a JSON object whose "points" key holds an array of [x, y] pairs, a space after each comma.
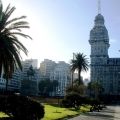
{"points": [[109, 113]]}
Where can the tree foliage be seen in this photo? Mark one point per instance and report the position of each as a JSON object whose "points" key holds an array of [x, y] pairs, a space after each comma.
{"points": [[73, 99], [80, 89], [21, 108], [79, 63], [30, 71], [10, 46], [29, 85], [95, 88], [47, 86]]}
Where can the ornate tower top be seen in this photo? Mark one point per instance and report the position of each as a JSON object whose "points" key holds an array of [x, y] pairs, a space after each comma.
{"points": [[99, 40], [99, 31]]}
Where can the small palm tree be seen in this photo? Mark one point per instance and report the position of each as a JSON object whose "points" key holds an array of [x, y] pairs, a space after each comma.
{"points": [[10, 46], [79, 63]]}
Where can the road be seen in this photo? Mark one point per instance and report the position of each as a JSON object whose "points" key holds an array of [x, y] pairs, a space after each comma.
{"points": [[109, 113]]}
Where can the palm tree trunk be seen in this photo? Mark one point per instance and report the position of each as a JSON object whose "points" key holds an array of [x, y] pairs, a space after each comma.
{"points": [[72, 79], [79, 77]]}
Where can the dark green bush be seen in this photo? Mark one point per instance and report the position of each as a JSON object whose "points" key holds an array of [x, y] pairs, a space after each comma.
{"points": [[72, 100], [20, 107]]}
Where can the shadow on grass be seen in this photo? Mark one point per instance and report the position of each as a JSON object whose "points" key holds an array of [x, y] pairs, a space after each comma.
{"points": [[54, 105], [57, 112], [67, 117], [6, 118]]}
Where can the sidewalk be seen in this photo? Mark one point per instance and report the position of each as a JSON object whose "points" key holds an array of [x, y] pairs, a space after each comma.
{"points": [[109, 113]]}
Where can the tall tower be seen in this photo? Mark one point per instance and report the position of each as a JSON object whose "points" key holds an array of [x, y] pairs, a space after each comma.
{"points": [[99, 41]]}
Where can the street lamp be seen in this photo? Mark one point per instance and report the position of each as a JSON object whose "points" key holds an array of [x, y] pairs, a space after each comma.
{"points": [[58, 95]]}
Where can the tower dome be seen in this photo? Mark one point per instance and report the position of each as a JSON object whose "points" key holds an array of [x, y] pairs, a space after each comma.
{"points": [[99, 17], [99, 31], [99, 20]]}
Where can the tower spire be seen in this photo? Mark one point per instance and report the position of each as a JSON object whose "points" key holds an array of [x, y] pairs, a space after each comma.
{"points": [[99, 6]]}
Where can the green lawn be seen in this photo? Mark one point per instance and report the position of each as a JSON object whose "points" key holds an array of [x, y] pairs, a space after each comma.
{"points": [[54, 113], [3, 115]]}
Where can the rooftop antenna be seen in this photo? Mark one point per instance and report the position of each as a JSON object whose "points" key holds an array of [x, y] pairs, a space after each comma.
{"points": [[99, 6]]}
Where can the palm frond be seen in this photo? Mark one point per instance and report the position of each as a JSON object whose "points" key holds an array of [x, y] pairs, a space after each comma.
{"points": [[14, 19], [18, 28], [10, 46], [1, 10], [14, 52], [20, 34], [19, 45], [8, 12], [20, 23]]}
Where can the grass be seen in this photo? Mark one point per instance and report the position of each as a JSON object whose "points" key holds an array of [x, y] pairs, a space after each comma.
{"points": [[53, 112], [3, 115], [85, 108], [57, 113]]}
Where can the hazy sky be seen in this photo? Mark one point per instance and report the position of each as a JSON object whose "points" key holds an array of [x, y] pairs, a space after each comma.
{"points": [[61, 27]]}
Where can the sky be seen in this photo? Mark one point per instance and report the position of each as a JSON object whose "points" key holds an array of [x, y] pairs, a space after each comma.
{"points": [[61, 27]]}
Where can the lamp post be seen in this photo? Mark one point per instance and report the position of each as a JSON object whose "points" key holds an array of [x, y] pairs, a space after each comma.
{"points": [[58, 95]]}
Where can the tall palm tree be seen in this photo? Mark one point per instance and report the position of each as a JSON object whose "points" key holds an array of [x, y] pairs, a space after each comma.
{"points": [[79, 63], [10, 46]]}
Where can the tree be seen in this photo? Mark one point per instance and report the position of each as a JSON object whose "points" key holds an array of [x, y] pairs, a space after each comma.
{"points": [[10, 46], [79, 89], [72, 99], [30, 72], [47, 86], [79, 63], [96, 88], [29, 85], [19, 107]]}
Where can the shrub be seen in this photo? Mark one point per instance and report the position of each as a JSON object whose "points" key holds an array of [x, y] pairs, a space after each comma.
{"points": [[20, 107], [72, 100]]}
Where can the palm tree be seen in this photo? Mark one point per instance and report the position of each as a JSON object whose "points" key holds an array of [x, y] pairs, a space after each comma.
{"points": [[79, 63], [10, 46]]}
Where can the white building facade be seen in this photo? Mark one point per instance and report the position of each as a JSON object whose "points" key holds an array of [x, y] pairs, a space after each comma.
{"points": [[62, 74], [14, 83], [46, 67]]}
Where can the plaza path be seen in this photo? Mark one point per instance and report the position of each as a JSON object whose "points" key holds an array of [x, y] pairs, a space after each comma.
{"points": [[109, 113]]}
